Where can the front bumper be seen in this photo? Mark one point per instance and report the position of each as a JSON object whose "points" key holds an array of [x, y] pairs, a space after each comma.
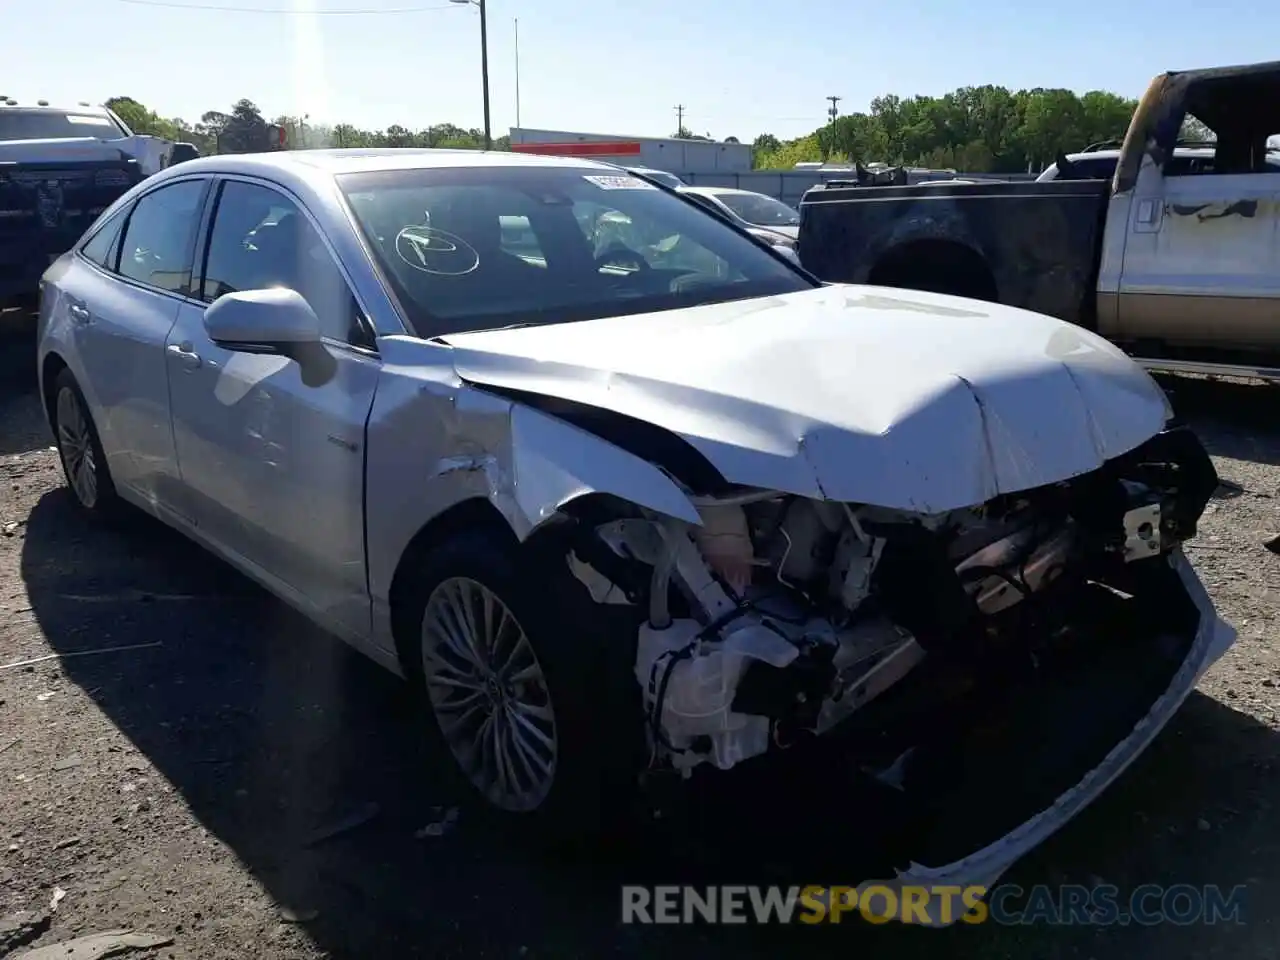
{"points": [[984, 867]]}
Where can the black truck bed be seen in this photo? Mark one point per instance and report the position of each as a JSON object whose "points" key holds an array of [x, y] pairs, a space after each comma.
{"points": [[1030, 245], [45, 207]]}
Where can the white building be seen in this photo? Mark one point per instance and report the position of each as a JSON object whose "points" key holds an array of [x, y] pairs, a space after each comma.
{"points": [[660, 153]]}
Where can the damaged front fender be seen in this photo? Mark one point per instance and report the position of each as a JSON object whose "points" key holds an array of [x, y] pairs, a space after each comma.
{"points": [[554, 463], [435, 442]]}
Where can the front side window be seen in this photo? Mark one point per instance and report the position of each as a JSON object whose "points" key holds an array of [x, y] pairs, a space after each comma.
{"points": [[476, 248], [42, 123], [156, 249], [261, 239], [759, 210]]}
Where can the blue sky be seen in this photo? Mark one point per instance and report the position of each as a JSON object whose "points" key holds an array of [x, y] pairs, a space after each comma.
{"points": [[739, 68]]}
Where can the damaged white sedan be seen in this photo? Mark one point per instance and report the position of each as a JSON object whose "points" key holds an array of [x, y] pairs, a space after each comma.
{"points": [[628, 494]]}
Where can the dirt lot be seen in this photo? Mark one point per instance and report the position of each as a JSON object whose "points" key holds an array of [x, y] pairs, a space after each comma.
{"points": [[178, 787]]}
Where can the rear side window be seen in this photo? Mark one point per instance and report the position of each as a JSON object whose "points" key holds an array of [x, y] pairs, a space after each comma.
{"points": [[103, 246], [157, 239]]}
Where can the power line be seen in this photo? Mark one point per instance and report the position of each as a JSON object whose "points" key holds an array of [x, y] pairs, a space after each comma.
{"points": [[351, 12]]}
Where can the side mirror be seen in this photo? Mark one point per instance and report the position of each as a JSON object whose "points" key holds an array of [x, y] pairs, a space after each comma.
{"points": [[275, 321]]}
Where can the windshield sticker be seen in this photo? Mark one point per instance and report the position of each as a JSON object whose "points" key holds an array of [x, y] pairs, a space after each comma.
{"points": [[620, 183], [93, 121], [436, 251]]}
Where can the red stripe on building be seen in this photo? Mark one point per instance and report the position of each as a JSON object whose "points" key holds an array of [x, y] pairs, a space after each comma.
{"points": [[597, 148]]}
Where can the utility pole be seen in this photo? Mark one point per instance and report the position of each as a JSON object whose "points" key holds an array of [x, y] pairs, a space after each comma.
{"points": [[484, 71], [679, 119], [834, 111], [517, 31], [484, 66]]}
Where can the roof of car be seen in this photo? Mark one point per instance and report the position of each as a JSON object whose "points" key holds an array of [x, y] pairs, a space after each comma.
{"points": [[712, 191], [82, 110], [359, 160], [1115, 154]]}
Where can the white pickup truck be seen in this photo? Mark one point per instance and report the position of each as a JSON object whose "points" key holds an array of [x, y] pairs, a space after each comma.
{"points": [[1169, 249], [59, 168]]}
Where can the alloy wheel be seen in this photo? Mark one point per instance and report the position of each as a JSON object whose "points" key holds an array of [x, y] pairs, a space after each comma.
{"points": [[489, 694], [75, 443]]}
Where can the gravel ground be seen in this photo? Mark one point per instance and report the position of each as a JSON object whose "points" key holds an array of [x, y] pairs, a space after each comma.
{"points": [[182, 787]]}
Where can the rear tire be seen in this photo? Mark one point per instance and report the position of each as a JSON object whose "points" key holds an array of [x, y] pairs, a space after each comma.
{"points": [[84, 465], [533, 700]]}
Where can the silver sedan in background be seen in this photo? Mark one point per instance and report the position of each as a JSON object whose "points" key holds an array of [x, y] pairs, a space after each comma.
{"points": [[756, 212]]}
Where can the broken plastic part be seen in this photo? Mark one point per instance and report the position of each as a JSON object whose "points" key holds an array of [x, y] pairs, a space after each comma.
{"points": [[863, 556], [705, 592], [693, 695], [1142, 532], [1041, 564], [659, 612], [872, 657], [725, 541], [600, 587]]}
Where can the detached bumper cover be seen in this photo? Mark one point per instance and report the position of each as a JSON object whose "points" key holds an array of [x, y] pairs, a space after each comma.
{"points": [[985, 867]]}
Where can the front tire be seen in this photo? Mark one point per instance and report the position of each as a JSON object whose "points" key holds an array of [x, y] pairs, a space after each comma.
{"points": [[528, 687], [84, 465]]}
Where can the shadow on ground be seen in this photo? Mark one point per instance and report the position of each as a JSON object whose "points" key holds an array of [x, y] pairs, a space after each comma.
{"points": [[22, 425], [270, 731], [1242, 415]]}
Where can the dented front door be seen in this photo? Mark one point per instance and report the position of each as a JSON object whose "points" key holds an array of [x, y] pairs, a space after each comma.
{"points": [[1200, 261]]}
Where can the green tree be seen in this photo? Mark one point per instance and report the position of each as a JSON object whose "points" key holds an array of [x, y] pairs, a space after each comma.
{"points": [[984, 128], [803, 150], [244, 131]]}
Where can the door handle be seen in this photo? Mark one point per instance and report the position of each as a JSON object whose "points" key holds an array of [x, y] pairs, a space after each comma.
{"points": [[184, 355], [80, 313], [1149, 212]]}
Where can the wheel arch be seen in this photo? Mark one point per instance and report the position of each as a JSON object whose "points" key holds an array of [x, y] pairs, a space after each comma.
{"points": [[50, 367], [472, 514]]}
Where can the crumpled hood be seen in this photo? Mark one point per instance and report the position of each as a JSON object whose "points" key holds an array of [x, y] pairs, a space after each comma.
{"points": [[896, 398]]}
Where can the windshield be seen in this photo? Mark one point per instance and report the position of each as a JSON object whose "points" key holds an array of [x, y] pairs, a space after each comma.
{"points": [[759, 210], [19, 124], [471, 249]]}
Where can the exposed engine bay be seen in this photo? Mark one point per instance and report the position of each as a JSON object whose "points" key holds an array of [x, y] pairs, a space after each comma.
{"points": [[780, 617]]}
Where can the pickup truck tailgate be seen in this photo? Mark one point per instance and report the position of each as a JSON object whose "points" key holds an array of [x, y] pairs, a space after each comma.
{"points": [[1040, 243]]}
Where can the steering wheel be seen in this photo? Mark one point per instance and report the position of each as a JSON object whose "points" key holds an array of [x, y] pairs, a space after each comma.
{"points": [[620, 255]]}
